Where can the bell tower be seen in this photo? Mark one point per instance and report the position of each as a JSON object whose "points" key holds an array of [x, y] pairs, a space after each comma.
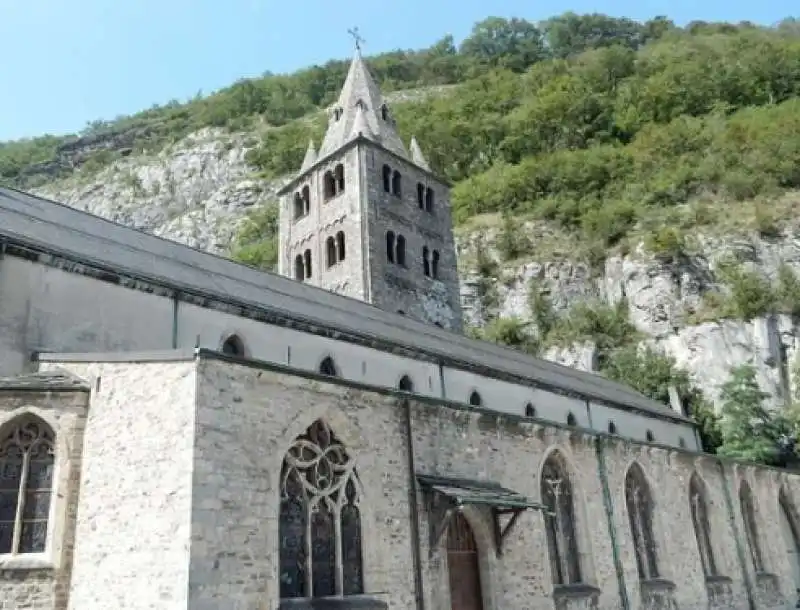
{"points": [[366, 217]]}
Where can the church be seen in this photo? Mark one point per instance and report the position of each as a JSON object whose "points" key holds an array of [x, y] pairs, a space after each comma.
{"points": [[179, 431]]}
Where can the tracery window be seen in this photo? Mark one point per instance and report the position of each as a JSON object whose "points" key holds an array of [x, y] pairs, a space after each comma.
{"points": [[640, 513], [702, 527], [320, 518], [559, 519], [750, 527], [26, 480]]}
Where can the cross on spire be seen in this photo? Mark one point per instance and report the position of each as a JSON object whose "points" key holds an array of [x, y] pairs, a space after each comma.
{"points": [[357, 37]]}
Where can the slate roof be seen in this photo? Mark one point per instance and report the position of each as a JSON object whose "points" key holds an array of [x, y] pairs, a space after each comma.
{"points": [[58, 229]]}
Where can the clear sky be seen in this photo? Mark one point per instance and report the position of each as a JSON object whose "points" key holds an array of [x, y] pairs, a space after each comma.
{"points": [[67, 62]]}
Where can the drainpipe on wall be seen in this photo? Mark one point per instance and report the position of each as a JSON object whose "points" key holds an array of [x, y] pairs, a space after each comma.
{"points": [[612, 530], [419, 593], [739, 548]]}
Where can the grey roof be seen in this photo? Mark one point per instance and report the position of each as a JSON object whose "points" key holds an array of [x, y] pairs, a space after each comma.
{"points": [[56, 228], [44, 381]]}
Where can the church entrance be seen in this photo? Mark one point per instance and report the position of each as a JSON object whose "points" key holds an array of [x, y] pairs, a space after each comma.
{"points": [[463, 566]]}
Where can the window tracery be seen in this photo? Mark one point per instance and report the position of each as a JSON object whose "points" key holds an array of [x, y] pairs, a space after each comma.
{"points": [[559, 518], [27, 462], [320, 518], [639, 503]]}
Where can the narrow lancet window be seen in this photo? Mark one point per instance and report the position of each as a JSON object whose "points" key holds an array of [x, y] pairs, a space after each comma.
{"points": [[639, 503], [559, 519], [702, 527]]}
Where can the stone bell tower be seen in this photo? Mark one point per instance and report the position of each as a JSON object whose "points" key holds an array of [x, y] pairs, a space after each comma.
{"points": [[367, 218]]}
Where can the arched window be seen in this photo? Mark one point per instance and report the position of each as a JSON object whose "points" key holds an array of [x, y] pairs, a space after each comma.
{"points": [[530, 410], [330, 252], [390, 245], [340, 246], [421, 195], [429, 199], [639, 503], [339, 176], [329, 183], [299, 206], [475, 399], [307, 262], [387, 179], [571, 421], [559, 520], [306, 196], [320, 518], [681, 442], [649, 436], [406, 385], [750, 527], [233, 346], [299, 268], [337, 114], [26, 480], [397, 184], [435, 265], [426, 263], [702, 527], [328, 367], [384, 112], [400, 256], [612, 427]]}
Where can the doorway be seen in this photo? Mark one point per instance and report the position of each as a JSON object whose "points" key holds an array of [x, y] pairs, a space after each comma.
{"points": [[463, 565]]}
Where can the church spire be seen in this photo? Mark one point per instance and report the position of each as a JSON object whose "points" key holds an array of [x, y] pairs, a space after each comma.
{"points": [[417, 156], [310, 158], [360, 90]]}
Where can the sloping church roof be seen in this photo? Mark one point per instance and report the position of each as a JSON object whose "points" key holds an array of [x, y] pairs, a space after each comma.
{"points": [[54, 228]]}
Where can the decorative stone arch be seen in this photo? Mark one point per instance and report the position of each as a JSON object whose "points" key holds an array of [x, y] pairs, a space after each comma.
{"points": [[582, 523], [57, 520]]}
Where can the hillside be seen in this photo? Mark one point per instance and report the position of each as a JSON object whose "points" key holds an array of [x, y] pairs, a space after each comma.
{"points": [[617, 184]]}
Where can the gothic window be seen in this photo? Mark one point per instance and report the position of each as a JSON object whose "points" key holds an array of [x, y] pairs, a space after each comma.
{"points": [[387, 179], [406, 385], [612, 427], [339, 176], [233, 346], [702, 527], [571, 421], [306, 196], [681, 442], [649, 436], [475, 399], [421, 195], [299, 206], [426, 263], [299, 268], [429, 199], [401, 251], [435, 265], [337, 114], [328, 367], [530, 410], [559, 519], [750, 528], [26, 480], [340, 246], [330, 252], [329, 184], [307, 263], [384, 112], [397, 184], [640, 514], [390, 244], [320, 519]]}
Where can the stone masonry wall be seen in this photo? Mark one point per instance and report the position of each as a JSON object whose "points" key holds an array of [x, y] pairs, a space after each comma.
{"points": [[133, 517], [42, 581]]}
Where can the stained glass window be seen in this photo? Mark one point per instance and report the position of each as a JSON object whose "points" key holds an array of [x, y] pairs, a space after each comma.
{"points": [[697, 499], [26, 480], [640, 513], [320, 519], [750, 528], [559, 518]]}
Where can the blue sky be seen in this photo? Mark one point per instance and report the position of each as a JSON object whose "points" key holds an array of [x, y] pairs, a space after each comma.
{"points": [[68, 62]]}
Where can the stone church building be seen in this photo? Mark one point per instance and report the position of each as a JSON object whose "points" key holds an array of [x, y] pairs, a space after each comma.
{"points": [[178, 431]]}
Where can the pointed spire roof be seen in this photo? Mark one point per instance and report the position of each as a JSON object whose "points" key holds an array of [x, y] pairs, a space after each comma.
{"points": [[360, 90], [417, 156], [310, 158]]}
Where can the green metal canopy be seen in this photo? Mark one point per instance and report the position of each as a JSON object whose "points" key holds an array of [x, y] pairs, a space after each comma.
{"points": [[468, 491]]}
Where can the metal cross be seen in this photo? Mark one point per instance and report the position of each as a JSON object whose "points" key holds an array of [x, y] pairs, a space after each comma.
{"points": [[357, 37]]}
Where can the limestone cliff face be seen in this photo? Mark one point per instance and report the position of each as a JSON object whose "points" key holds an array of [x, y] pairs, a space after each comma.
{"points": [[198, 191]]}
